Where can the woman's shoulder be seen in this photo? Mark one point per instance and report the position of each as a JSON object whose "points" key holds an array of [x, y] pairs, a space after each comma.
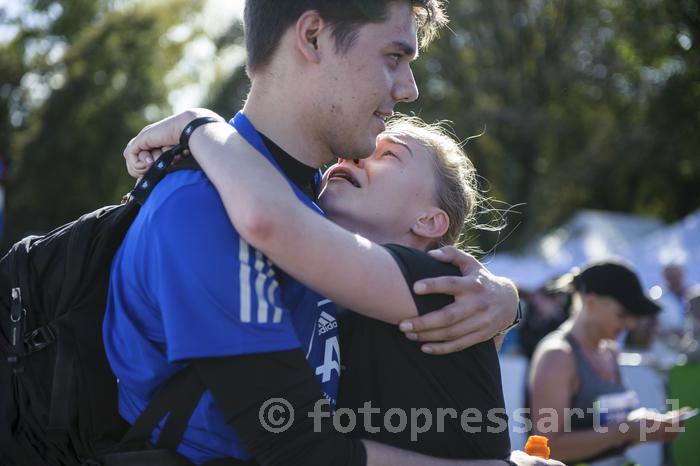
{"points": [[554, 352], [418, 264]]}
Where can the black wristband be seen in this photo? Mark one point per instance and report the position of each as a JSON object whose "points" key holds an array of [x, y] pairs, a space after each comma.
{"points": [[518, 318], [191, 126]]}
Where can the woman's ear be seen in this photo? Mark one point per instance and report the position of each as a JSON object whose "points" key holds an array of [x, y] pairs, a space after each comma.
{"points": [[432, 224], [591, 302], [307, 31]]}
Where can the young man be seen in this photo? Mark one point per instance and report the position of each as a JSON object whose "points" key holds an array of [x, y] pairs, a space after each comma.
{"points": [[187, 290]]}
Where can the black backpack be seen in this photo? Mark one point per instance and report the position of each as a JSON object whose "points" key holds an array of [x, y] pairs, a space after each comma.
{"points": [[58, 395]]}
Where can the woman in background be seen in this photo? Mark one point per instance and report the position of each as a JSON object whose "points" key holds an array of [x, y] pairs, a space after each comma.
{"points": [[577, 397]]}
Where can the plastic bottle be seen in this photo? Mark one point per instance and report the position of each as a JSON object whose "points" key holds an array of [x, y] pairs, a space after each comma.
{"points": [[537, 446]]}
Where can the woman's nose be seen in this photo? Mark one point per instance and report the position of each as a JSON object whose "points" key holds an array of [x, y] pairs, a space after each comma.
{"points": [[357, 162]]}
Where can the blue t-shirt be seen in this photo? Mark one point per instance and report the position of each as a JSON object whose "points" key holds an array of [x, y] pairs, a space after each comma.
{"points": [[185, 285]]}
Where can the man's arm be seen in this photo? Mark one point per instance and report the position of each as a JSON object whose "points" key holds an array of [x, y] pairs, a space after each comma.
{"points": [[275, 413]]}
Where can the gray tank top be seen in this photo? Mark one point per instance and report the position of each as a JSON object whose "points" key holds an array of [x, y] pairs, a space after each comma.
{"points": [[597, 401]]}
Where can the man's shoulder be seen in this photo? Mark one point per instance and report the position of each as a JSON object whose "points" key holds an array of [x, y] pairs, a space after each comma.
{"points": [[190, 183], [183, 211], [183, 195]]}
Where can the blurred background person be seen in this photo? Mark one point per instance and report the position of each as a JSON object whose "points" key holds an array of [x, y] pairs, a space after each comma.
{"points": [[544, 310], [691, 336], [671, 319], [576, 367]]}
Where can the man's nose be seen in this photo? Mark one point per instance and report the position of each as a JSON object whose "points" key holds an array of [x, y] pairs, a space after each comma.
{"points": [[405, 88]]}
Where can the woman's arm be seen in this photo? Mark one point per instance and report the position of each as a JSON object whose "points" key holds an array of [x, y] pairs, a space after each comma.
{"points": [[484, 303], [345, 267]]}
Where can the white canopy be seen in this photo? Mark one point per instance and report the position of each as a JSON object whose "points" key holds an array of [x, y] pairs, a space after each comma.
{"points": [[677, 243], [589, 235]]}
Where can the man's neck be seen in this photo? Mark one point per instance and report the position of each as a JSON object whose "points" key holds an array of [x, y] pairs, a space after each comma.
{"points": [[280, 121]]}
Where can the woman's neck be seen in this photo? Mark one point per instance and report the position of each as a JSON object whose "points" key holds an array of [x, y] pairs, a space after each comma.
{"points": [[586, 334]]}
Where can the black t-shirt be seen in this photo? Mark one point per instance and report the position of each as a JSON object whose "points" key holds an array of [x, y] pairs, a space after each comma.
{"points": [[381, 366], [304, 177]]}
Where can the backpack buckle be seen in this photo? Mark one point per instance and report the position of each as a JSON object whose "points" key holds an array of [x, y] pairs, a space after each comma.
{"points": [[17, 325], [39, 338]]}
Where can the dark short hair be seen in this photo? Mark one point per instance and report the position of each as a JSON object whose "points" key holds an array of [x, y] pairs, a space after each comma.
{"points": [[266, 21]]}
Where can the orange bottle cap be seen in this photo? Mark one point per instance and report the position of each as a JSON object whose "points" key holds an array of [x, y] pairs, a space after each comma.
{"points": [[537, 445]]}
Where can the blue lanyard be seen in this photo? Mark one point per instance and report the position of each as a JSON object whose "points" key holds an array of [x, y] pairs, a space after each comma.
{"points": [[246, 129]]}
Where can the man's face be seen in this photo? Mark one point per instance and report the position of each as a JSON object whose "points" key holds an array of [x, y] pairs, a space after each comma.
{"points": [[357, 90], [383, 195]]}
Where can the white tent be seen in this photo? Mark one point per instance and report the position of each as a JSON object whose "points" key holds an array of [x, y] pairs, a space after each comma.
{"points": [[589, 235], [677, 243]]}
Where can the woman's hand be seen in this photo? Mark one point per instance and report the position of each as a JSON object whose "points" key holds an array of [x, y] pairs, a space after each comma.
{"points": [[155, 138], [647, 425]]}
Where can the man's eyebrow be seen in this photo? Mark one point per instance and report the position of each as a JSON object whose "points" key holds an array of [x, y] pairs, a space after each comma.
{"points": [[405, 48], [395, 140]]}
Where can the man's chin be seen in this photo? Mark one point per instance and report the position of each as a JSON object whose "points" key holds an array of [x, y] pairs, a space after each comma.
{"points": [[363, 149]]}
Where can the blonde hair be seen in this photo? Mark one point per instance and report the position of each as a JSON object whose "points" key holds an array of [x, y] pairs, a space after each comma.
{"points": [[456, 186]]}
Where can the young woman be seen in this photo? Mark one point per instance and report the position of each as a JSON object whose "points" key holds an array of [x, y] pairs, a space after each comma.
{"points": [[414, 193], [575, 379]]}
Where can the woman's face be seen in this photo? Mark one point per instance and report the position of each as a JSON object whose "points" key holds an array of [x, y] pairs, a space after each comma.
{"points": [[383, 195], [614, 318]]}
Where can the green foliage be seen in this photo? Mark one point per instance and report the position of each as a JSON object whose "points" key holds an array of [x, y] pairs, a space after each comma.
{"points": [[66, 158], [583, 104], [228, 95]]}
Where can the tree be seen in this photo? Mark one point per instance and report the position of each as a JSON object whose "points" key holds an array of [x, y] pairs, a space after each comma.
{"points": [[568, 95], [67, 155]]}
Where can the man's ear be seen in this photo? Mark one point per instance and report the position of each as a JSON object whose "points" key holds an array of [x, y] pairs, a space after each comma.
{"points": [[307, 31], [432, 224]]}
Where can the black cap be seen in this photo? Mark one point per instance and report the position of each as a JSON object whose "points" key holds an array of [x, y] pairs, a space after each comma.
{"points": [[616, 280]]}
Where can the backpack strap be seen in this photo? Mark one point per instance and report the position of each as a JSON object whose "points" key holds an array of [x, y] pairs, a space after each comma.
{"points": [[178, 398], [18, 322], [154, 174], [142, 458], [18, 268], [183, 391], [62, 387]]}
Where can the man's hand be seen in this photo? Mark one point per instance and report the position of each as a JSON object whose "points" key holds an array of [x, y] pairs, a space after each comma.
{"points": [[484, 305], [520, 458], [157, 137]]}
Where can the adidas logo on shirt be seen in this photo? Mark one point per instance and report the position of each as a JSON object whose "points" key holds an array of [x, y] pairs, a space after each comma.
{"points": [[326, 322]]}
